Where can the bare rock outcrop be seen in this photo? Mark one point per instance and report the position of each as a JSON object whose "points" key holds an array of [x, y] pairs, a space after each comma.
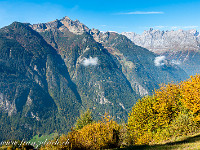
{"points": [[162, 41], [65, 23]]}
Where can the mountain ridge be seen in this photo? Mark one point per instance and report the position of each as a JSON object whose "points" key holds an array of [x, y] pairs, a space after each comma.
{"points": [[180, 46], [96, 34], [159, 41], [52, 71]]}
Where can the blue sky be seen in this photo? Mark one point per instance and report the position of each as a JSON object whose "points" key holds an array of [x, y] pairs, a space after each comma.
{"points": [[107, 15]]}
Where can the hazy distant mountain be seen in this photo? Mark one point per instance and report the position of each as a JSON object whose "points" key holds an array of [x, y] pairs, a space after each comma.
{"points": [[51, 71], [181, 47]]}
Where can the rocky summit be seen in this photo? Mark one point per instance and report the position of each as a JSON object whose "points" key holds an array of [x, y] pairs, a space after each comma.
{"points": [[49, 72], [65, 23], [180, 46]]}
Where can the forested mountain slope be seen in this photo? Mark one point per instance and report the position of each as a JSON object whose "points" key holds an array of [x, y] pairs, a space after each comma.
{"points": [[51, 71]]}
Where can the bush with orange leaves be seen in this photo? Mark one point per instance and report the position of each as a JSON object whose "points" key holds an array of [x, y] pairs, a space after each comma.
{"points": [[97, 135]]}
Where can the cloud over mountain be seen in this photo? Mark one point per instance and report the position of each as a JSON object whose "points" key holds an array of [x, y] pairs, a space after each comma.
{"points": [[90, 61], [159, 61]]}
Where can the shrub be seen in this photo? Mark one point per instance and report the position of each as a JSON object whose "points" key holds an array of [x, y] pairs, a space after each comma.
{"points": [[97, 135], [102, 134]]}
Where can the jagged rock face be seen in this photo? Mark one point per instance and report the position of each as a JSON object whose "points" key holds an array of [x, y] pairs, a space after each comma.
{"points": [[162, 41], [64, 24], [182, 47]]}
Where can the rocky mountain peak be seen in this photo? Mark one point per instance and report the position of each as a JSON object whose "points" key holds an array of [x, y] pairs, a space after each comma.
{"points": [[66, 18], [74, 26], [56, 24], [65, 23], [162, 41]]}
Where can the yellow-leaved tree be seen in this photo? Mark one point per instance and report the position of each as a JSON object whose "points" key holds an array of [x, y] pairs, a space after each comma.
{"points": [[191, 95], [96, 135], [173, 110]]}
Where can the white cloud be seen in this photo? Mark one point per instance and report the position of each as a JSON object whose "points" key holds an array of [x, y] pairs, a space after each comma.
{"points": [[142, 13], [159, 61], [90, 61]]}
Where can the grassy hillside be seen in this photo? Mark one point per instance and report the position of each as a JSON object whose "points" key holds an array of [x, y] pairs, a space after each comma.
{"points": [[182, 143]]}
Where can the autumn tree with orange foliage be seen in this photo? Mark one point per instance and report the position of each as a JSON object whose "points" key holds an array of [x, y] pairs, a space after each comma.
{"points": [[96, 135], [173, 110]]}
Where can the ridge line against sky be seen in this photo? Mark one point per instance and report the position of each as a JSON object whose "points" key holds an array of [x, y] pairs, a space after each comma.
{"points": [[119, 16]]}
